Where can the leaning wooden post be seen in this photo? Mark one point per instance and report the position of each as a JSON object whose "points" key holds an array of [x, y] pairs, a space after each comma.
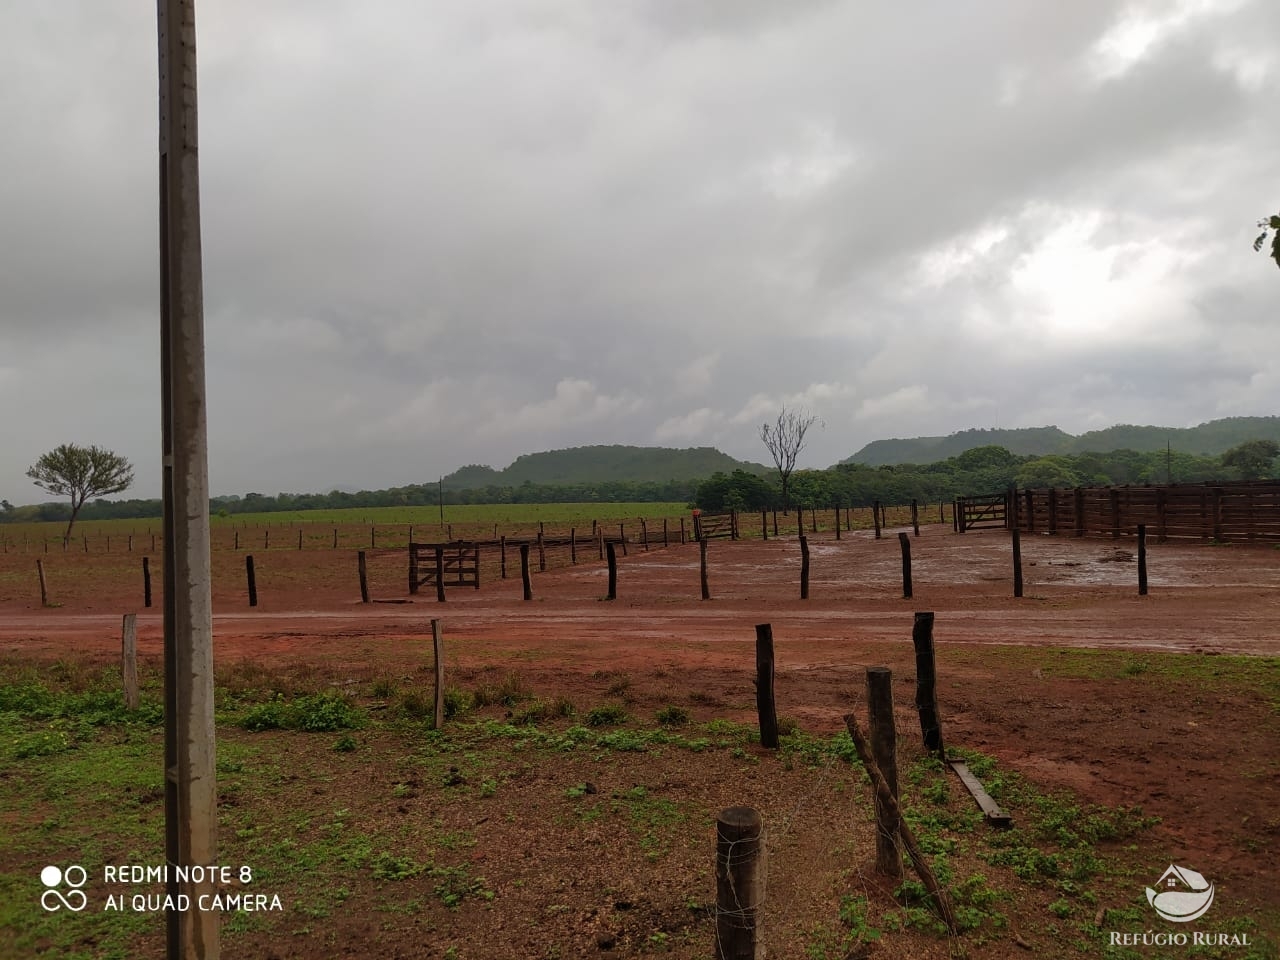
{"points": [[875, 516], [44, 589], [905, 542], [252, 579], [1142, 559], [439, 574], [926, 684], [362, 570], [622, 537], [884, 750], [915, 517], [804, 567], [1017, 562], [764, 686], [741, 868], [885, 795], [524, 571], [129, 660], [612, 556], [437, 644], [146, 581], [702, 555]]}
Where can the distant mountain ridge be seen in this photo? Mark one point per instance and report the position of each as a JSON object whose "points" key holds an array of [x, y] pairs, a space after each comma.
{"points": [[602, 464], [1208, 439]]}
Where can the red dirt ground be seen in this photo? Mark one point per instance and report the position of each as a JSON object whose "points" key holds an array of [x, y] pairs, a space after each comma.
{"points": [[1205, 762]]}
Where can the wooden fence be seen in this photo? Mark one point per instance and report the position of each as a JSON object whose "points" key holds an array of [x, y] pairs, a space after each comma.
{"points": [[1225, 512]]}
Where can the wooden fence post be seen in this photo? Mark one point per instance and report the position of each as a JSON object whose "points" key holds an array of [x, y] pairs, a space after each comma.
{"points": [[741, 868], [524, 571], [146, 581], [1031, 510], [1115, 513], [622, 537], [682, 537], [1078, 503], [875, 516], [1142, 559], [775, 523], [915, 517], [926, 684], [1017, 562], [44, 590], [1053, 510], [235, 537], [542, 551], [702, 554], [1162, 511], [612, 556], [502, 546], [363, 571], [764, 525], [765, 706], [439, 574], [1217, 514], [335, 538], [837, 521], [129, 660], [573, 546], [883, 736], [413, 568], [906, 565], [266, 539], [664, 532], [804, 567], [437, 644], [644, 534], [918, 860], [252, 579]]}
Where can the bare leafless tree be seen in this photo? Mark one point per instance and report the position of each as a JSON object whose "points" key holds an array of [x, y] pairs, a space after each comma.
{"points": [[784, 440]]}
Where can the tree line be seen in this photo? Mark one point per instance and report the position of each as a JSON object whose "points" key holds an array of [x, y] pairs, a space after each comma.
{"points": [[980, 470], [986, 469]]}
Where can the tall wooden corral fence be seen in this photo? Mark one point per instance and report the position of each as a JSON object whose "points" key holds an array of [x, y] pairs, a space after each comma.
{"points": [[1224, 512]]}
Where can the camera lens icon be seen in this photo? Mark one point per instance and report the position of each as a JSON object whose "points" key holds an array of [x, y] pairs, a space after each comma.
{"points": [[53, 899]]}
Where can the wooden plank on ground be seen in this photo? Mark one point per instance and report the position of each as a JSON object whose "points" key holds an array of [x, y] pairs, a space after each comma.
{"points": [[990, 809]]}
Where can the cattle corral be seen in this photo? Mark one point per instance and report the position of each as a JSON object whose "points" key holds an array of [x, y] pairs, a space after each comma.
{"points": [[1144, 722]]}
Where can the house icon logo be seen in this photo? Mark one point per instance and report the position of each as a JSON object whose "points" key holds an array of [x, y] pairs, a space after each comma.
{"points": [[1181, 895]]}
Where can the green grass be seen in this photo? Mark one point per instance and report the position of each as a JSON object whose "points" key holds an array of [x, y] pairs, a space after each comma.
{"points": [[84, 783], [505, 514]]}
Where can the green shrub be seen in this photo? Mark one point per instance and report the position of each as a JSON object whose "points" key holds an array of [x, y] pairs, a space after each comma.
{"points": [[606, 715]]}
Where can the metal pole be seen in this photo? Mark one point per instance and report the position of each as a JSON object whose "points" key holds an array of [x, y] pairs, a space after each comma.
{"points": [[191, 794]]}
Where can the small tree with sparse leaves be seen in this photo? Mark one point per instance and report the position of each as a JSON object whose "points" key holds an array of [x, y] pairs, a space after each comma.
{"points": [[81, 473], [1272, 224], [784, 440]]}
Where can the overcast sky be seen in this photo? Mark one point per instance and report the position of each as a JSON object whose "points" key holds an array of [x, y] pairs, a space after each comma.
{"points": [[454, 232]]}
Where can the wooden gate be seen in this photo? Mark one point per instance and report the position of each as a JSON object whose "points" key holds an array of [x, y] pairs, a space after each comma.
{"points": [[988, 510], [455, 564], [713, 526]]}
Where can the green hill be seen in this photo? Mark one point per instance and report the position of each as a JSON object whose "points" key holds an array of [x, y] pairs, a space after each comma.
{"points": [[1026, 441], [1207, 439], [602, 464]]}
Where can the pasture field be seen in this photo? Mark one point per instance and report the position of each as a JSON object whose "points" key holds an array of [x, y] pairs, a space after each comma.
{"points": [[566, 808]]}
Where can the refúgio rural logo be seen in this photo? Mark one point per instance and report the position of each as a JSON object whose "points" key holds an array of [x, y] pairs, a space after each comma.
{"points": [[1181, 895]]}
